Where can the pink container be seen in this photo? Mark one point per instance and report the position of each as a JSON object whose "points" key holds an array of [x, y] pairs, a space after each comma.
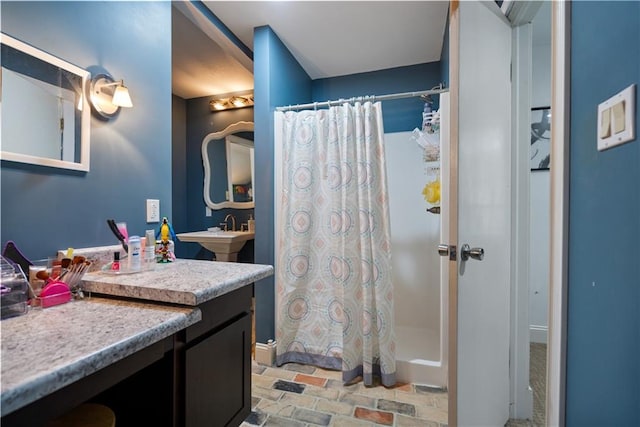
{"points": [[54, 293]]}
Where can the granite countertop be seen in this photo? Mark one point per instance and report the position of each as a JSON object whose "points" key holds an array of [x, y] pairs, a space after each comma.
{"points": [[184, 281], [48, 349]]}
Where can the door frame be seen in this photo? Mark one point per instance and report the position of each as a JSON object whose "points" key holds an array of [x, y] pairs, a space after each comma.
{"points": [[454, 93], [521, 394], [559, 242], [556, 349]]}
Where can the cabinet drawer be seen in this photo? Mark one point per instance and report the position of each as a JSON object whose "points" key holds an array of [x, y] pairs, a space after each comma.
{"points": [[221, 310]]}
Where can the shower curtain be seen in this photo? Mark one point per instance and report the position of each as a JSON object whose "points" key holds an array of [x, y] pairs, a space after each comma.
{"points": [[334, 294]]}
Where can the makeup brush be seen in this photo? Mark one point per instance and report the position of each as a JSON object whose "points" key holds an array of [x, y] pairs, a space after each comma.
{"points": [[43, 275]]}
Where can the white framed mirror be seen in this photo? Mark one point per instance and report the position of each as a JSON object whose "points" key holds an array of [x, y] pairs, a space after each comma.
{"points": [[44, 110], [228, 161]]}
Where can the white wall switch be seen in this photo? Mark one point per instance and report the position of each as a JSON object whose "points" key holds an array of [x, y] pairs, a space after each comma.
{"points": [[605, 124], [207, 211], [616, 119], [153, 210]]}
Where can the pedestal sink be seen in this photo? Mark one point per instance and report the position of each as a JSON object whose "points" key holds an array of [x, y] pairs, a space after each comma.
{"points": [[225, 244]]}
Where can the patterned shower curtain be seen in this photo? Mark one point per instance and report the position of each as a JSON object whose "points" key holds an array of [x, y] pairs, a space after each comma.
{"points": [[334, 297]]}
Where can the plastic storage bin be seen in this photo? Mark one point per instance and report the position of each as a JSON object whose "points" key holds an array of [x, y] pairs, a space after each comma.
{"points": [[13, 290]]}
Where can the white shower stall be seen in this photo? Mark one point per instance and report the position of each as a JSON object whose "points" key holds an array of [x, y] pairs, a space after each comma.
{"points": [[420, 275]]}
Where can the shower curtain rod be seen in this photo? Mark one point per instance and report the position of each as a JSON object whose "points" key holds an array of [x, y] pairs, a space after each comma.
{"points": [[372, 98]]}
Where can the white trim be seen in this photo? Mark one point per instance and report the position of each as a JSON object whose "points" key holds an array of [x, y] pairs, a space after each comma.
{"points": [[445, 205], [521, 394], [560, 105], [520, 12], [496, 10]]}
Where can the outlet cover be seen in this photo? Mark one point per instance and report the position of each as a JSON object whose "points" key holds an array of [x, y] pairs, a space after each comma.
{"points": [[153, 210]]}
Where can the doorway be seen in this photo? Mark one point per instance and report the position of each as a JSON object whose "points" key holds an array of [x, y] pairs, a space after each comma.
{"points": [[519, 223]]}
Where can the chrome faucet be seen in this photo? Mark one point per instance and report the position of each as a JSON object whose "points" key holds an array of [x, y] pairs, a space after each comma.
{"points": [[233, 222]]}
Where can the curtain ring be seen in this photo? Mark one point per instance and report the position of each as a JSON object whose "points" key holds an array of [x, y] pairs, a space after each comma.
{"points": [[315, 106]]}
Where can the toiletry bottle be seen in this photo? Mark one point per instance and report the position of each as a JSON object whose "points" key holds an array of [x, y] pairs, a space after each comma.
{"points": [[134, 253], [115, 265], [251, 224], [150, 248]]}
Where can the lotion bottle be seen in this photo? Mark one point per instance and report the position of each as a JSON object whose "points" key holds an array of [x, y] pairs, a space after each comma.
{"points": [[150, 248], [251, 224], [135, 247]]}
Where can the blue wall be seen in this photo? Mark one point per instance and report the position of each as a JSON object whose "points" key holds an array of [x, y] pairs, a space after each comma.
{"points": [[398, 115], [279, 80], [603, 337], [46, 209], [179, 168]]}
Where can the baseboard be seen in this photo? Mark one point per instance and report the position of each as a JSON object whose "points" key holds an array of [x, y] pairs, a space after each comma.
{"points": [[266, 353], [538, 334]]}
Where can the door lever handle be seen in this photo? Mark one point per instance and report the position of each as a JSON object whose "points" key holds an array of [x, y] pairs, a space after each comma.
{"points": [[468, 252]]}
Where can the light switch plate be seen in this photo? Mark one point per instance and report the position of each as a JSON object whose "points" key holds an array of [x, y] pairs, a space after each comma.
{"points": [[153, 210], [627, 98]]}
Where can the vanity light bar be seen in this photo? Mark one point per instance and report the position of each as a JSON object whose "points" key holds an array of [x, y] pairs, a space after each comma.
{"points": [[231, 102]]}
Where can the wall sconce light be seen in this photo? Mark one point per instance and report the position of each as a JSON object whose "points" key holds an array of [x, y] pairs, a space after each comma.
{"points": [[108, 95], [236, 101]]}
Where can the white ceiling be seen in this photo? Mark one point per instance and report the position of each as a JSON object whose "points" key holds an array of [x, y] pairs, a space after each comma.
{"points": [[335, 38], [328, 38]]}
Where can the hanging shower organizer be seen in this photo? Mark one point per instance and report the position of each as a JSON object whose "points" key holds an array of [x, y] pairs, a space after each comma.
{"points": [[428, 138]]}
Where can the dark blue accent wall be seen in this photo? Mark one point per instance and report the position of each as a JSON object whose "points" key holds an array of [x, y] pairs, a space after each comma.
{"points": [[603, 337], [179, 168], [279, 80], [200, 121], [398, 115], [46, 209]]}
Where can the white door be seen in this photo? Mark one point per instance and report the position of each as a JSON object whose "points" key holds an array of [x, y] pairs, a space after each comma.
{"points": [[481, 100]]}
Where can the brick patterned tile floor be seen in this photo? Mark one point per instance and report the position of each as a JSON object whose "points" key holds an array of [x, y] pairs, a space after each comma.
{"points": [[305, 396]]}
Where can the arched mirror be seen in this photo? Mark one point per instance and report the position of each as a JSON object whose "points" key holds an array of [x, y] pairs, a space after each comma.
{"points": [[228, 160]]}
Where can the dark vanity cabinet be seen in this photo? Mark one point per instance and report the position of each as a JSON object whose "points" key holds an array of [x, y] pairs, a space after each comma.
{"points": [[200, 376], [217, 362]]}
